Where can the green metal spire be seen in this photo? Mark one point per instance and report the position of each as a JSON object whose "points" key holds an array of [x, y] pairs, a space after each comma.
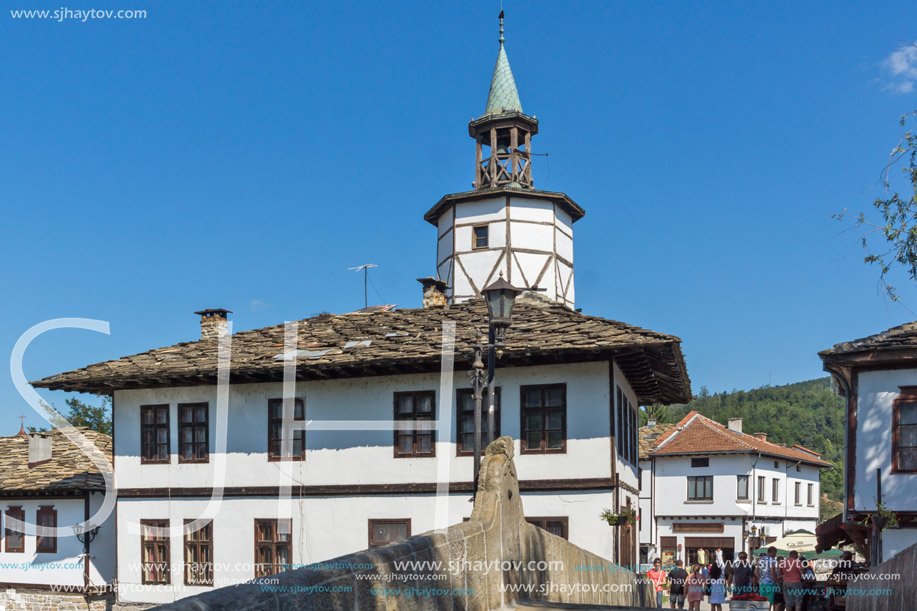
{"points": [[503, 95]]}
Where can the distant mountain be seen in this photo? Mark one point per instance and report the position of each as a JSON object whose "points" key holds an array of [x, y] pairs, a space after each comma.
{"points": [[808, 413]]}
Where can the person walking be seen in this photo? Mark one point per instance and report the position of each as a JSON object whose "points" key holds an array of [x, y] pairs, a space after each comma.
{"points": [[743, 574], [677, 578], [694, 588], [717, 588], [791, 571], [657, 576], [766, 574]]}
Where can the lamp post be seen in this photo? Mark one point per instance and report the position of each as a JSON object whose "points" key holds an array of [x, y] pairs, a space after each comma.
{"points": [[500, 296], [85, 536]]}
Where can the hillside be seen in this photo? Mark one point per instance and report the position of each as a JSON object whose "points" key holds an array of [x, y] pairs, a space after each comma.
{"points": [[808, 413]]}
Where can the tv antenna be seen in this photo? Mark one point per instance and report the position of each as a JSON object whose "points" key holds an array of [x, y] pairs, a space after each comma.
{"points": [[365, 269]]}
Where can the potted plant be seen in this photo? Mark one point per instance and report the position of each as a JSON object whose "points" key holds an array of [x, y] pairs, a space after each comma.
{"points": [[749, 601], [625, 517]]}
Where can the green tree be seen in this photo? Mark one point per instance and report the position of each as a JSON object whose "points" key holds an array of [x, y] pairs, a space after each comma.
{"points": [[95, 417]]}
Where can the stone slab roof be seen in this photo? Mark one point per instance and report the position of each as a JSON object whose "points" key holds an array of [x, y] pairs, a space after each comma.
{"points": [[648, 436], [68, 470], [402, 341], [891, 344], [697, 434]]}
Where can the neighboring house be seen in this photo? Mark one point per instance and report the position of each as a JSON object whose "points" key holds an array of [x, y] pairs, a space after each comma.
{"points": [[878, 377], [648, 436], [709, 486], [46, 480], [568, 387]]}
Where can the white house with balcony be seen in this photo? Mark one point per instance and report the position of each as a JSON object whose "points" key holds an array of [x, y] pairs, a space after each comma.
{"points": [[708, 486], [376, 421]]}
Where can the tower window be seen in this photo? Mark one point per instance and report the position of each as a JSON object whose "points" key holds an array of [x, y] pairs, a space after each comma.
{"points": [[479, 237]]}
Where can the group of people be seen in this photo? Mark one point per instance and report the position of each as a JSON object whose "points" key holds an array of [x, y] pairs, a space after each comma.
{"points": [[784, 582]]}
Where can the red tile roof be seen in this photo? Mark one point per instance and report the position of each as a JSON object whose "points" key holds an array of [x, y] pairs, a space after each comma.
{"points": [[697, 434]]}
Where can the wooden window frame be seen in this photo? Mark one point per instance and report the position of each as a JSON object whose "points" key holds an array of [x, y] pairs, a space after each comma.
{"points": [[797, 493], [810, 495], [700, 463], [739, 496], [45, 511], [413, 417], [198, 544], [705, 498], [18, 513], [543, 409], [474, 237], [775, 491], [155, 427], [372, 522], [542, 522], [166, 578], [459, 411], [619, 416], [275, 544], [907, 395], [762, 490], [193, 425], [271, 456]]}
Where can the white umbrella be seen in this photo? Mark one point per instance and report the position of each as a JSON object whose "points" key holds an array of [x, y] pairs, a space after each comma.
{"points": [[800, 540]]}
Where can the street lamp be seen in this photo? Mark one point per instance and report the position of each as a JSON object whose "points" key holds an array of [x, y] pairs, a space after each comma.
{"points": [[500, 296], [85, 536]]}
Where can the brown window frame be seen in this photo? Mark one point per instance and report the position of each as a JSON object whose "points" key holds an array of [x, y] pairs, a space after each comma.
{"points": [[166, 577], [373, 522], [704, 498], [194, 425], [762, 491], [775, 491], [542, 522], [40, 540], [271, 440], [17, 512], [739, 497], [460, 411], [907, 395], [204, 541], [413, 417], [543, 409], [155, 426], [475, 245], [275, 543]]}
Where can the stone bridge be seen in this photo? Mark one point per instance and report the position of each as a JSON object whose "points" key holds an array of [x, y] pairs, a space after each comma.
{"points": [[535, 566]]}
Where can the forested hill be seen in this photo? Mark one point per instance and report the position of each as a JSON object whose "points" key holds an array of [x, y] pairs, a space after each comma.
{"points": [[808, 413]]}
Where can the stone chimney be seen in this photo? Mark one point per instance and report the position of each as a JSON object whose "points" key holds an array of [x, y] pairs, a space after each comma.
{"points": [[214, 323], [39, 448], [650, 424], [761, 436], [434, 292], [735, 424]]}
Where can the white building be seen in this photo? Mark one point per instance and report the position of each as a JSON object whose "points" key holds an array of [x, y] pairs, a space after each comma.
{"points": [[878, 377], [46, 481], [569, 386], [709, 486]]}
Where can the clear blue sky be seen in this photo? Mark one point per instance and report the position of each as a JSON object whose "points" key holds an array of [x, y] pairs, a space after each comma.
{"points": [[226, 155]]}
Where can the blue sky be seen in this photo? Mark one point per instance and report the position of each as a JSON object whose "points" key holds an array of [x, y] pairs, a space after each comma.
{"points": [[227, 155]]}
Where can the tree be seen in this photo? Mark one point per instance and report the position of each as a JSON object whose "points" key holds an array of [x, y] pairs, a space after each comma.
{"points": [[898, 214], [97, 418], [659, 413]]}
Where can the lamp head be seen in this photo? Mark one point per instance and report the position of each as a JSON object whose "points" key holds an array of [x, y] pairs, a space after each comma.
{"points": [[500, 297]]}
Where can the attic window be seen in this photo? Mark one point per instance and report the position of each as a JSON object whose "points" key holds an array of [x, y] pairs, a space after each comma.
{"points": [[479, 237], [700, 462]]}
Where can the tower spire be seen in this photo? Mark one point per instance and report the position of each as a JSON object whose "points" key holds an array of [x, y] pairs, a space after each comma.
{"points": [[503, 95], [501, 27]]}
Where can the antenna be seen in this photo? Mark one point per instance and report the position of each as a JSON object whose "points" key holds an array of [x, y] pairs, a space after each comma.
{"points": [[365, 269]]}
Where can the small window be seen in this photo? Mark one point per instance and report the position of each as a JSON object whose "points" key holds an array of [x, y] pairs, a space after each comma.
{"points": [[761, 483], [798, 468], [810, 495], [776, 464], [415, 411], [15, 540], [275, 430], [700, 488], [544, 419], [479, 236], [904, 430], [154, 434], [464, 413], [154, 549], [199, 555], [383, 532], [193, 432], [555, 526], [272, 546], [742, 487], [46, 517], [775, 490], [700, 462], [798, 493]]}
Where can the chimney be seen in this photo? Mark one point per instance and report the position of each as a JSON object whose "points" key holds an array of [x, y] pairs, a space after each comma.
{"points": [[434, 292], [39, 448], [650, 424], [214, 323], [735, 424], [761, 436]]}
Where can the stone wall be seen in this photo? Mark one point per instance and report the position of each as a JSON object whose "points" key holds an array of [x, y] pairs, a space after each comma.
{"points": [[899, 571], [13, 599], [527, 563]]}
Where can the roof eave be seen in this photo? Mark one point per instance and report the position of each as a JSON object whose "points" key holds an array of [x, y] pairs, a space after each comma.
{"points": [[575, 211]]}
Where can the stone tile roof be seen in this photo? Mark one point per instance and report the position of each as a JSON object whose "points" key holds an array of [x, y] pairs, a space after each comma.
{"points": [[648, 436], [697, 434], [402, 341], [503, 95], [884, 345], [68, 470]]}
